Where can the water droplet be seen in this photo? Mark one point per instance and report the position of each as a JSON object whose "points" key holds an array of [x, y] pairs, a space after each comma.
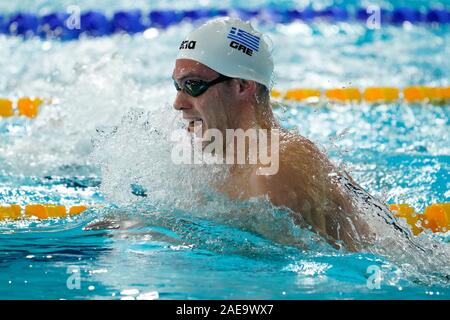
{"points": [[129, 292], [153, 295], [46, 46], [98, 271], [151, 33]]}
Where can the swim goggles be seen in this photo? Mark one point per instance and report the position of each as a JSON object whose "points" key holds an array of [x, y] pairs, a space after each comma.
{"points": [[194, 88]]}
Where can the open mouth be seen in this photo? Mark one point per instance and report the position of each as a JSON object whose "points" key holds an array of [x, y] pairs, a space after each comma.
{"points": [[194, 124]]}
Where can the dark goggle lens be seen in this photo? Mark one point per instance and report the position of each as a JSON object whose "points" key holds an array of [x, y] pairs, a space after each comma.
{"points": [[177, 87], [195, 87]]}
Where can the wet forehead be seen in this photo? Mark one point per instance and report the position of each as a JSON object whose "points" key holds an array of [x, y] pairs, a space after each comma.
{"points": [[189, 68]]}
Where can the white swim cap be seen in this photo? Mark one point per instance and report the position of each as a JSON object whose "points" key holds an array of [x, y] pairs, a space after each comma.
{"points": [[230, 47]]}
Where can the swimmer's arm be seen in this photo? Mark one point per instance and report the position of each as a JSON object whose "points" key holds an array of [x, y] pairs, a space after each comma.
{"points": [[302, 185], [285, 192]]}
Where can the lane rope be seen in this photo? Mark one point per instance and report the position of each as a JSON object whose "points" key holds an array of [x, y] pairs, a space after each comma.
{"points": [[39, 211], [29, 106], [96, 24], [26, 107], [411, 94], [436, 217]]}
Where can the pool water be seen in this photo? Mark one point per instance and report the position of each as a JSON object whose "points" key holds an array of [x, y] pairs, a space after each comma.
{"points": [[105, 144]]}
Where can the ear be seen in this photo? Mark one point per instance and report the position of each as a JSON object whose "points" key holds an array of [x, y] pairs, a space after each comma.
{"points": [[246, 88]]}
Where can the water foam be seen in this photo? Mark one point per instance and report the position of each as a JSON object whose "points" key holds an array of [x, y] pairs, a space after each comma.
{"points": [[138, 151]]}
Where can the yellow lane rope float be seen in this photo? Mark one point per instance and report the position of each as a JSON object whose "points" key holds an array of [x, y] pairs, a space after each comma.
{"points": [[435, 217], [39, 211], [29, 106], [26, 107], [370, 95]]}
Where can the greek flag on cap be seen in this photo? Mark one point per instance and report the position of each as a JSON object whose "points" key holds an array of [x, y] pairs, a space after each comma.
{"points": [[231, 47]]}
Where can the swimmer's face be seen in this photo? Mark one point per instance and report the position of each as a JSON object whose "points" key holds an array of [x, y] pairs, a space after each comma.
{"points": [[214, 107]]}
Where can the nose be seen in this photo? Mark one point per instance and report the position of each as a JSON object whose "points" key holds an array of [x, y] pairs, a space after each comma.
{"points": [[181, 101]]}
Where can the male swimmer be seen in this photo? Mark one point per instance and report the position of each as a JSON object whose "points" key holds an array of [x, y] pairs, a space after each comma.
{"points": [[222, 74]]}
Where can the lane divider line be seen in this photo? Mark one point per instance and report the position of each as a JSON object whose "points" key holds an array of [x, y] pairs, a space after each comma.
{"points": [[30, 106], [39, 211], [97, 24], [410, 94], [435, 217], [24, 107]]}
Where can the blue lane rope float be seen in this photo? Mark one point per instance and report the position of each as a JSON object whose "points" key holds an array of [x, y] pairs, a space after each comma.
{"points": [[97, 24]]}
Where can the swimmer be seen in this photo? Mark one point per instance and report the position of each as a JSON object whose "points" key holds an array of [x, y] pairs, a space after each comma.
{"points": [[222, 76]]}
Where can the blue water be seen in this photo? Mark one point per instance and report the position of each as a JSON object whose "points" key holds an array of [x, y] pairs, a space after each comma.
{"points": [[178, 248]]}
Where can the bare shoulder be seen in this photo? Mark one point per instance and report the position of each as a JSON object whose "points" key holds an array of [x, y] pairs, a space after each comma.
{"points": [[300, 161], [297, 147], [300, 156]]}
